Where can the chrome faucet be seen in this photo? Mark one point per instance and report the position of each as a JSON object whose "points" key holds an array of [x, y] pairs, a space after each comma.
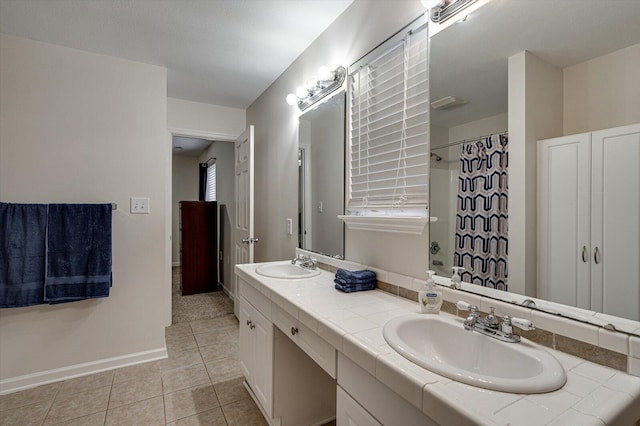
{"points": [[489, 325], [305, 261]]}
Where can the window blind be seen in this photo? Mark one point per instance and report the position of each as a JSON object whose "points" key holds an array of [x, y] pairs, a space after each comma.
{"points": [[211, 183], [389, 124]]}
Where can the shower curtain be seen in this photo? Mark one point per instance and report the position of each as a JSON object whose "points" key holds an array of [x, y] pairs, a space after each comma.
{"points": [[481, 219]]}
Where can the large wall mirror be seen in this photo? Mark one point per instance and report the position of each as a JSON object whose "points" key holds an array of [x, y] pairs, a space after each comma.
{"points": [[321, 145], [469, 70]]}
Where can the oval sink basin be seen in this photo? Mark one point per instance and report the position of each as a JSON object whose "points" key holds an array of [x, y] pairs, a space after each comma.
{"points": [[285, 271], [442, 345]]}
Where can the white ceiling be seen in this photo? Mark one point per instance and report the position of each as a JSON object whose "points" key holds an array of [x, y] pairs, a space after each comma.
{"points": [[223, 52], [189, 147], [469, 60]]}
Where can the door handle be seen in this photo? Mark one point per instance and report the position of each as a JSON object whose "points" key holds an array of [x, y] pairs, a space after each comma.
{"points": [[596, 255], [249, 240], [585, 255]]}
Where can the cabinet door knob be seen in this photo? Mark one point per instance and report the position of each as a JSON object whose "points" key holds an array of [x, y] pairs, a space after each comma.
{"points": [[249, 323], [585, 255], [294, 331]]}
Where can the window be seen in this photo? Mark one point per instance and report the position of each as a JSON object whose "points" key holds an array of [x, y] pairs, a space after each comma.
{"points": [[389, 127], [211, 183]]}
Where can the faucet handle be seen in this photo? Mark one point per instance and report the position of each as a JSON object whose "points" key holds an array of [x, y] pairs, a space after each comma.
{"points": [[523, 324], [464, 306]]}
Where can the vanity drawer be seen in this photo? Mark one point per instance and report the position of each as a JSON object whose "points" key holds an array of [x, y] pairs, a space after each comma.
{"points": [[313, 345], [253, 296]]}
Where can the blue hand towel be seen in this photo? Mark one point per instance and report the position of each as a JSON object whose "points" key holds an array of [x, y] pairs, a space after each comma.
{"points": [[22, 254], [78, 252], [340, 281], [351, 289], [355, 276]]}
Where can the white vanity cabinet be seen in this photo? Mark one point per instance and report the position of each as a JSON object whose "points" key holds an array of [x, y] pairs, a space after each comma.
{"points": [[588, 220], [256, 347]]}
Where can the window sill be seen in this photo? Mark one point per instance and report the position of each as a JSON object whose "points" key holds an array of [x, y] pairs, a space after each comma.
{"points": [[395, 224]]}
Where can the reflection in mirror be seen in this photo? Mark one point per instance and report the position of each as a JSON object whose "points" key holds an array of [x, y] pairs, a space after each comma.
{"points": [[321, 136], [470, 88]]}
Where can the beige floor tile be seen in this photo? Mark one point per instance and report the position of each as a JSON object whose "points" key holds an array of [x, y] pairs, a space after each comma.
{"points": [[223, 370], [149, 412], [187, 402], [44, 393], [139, 372], [179, 329], [213, 337], [77, 405], [180, 343], [96, 419], [213, 417], [231, 391], [26, 415], [85, 383], [189, 377], [243, 413], [135, 390], [181, 359], [219, 351], [220, 323]]}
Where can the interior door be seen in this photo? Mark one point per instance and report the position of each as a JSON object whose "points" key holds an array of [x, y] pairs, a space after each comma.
{"points": [[244, 238]]}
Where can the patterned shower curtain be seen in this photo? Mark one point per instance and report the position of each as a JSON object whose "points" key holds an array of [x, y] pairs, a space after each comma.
{"points": [[481, 219]]}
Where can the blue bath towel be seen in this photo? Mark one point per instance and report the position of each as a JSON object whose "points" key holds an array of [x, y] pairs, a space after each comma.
{"points": [[340, 281], [355, 287], [22, 254], [356, 276], [78, 252]]}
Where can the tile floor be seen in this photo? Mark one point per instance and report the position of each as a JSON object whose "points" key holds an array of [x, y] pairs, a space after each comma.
{"points": [[199, 384]]}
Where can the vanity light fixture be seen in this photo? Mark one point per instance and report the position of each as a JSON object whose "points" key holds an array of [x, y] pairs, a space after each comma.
{"points": [[326, 82], [445, 9]]}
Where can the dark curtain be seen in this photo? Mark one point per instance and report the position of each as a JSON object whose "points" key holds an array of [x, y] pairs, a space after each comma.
{"points": [[202, 191]]}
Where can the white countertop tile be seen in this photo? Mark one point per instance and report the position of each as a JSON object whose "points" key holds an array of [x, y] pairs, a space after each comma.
{"points": [[595, 372], [403, 377], [605, 404], [526, 413], [573, 417], [579, 385]]}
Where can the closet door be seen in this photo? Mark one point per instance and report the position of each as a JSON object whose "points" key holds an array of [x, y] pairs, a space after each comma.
{"points": [[615, 234], [563, 219]]}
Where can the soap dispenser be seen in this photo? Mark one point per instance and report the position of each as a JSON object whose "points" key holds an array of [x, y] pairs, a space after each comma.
{"points": [[430, 297], [455, 279]]}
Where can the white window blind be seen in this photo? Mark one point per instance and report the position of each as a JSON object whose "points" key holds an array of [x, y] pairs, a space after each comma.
{"points": [[211, 183], [389, 125]]}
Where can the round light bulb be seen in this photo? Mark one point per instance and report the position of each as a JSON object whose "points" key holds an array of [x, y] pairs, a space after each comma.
{"points": [[292, 99], [324, 73], [430, 4], [301, 92]]}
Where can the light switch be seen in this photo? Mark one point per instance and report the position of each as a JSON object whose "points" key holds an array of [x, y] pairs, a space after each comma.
{"points": [[289, 226], [320, 207], [139, 205]]}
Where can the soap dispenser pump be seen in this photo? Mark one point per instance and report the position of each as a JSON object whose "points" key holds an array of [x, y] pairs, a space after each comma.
{"points": [[430, 297], [455, 279]]}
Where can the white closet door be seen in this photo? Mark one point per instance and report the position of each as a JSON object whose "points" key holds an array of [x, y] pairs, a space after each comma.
{"points": [[563, 219], [615, 235]]}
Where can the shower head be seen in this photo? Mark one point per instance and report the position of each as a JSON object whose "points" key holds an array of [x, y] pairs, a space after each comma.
{"points": [[436, 156]]}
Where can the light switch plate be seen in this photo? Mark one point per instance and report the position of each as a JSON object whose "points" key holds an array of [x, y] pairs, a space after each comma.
{"points": [[139, 205], [289, 226]]}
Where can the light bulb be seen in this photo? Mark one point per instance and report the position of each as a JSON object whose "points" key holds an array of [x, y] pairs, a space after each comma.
{"points": [[301, 92], [312, 84], [430, 4], [324, 73], [292, 99]]}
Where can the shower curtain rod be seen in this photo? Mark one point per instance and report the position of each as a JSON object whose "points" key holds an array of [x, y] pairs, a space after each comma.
{"points": [[450, 144]]}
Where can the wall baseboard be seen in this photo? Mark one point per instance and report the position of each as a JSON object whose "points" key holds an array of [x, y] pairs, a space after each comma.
{"points": [[27, 381]]}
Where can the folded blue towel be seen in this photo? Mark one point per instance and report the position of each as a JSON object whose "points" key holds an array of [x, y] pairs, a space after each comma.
{"points": [[78, 252], [355, 276], [340, 281], [22, 254], [351, 289]]}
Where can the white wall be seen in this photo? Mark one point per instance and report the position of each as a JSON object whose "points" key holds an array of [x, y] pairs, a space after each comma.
{"points": [[359, 29], [82, 127], [185, 181], [210, 121], [223, 152], [535, 112], [603, 92]]}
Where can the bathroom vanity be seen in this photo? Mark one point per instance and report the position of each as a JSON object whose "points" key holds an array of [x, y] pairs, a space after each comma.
{"points": [[310, 353]]}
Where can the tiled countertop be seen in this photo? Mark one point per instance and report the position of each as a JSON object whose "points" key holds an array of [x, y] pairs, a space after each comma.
{"points": [[352, 323]]}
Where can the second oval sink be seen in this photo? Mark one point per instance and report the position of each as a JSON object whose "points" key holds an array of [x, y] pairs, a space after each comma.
{"points": [[285, 271], [442, 345]]}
